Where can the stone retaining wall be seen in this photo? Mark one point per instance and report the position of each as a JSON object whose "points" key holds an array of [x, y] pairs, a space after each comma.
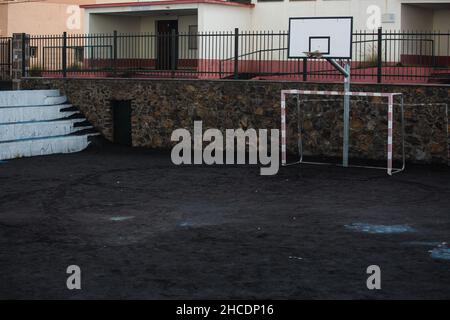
{"points": [[160, 106]]}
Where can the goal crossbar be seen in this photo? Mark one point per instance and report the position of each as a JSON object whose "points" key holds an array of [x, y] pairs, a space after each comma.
{"points": [[390, 103]]}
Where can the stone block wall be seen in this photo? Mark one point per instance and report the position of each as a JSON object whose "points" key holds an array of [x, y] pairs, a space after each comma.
{"points": [[21, 51], [160, 106]]}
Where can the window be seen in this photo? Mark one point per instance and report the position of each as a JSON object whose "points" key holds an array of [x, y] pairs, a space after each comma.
{"points": [[193, 38], [33, 52]]}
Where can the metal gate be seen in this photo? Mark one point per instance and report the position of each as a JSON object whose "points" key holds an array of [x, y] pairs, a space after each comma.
{"points": [[5, 58]]}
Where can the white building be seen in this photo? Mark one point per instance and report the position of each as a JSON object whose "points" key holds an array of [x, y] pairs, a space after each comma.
{"points": [[264, 15], [213, 54]]}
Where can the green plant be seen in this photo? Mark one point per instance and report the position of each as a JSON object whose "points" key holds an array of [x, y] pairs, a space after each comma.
{"points": [[370, 59]]}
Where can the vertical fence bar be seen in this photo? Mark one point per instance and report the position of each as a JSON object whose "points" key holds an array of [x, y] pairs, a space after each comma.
{"points": [[24, 37], [236, 52], [379, 55], [433, 52], [305, 69], [114, 52], [9, 41], [173, 47], [64, 55]]}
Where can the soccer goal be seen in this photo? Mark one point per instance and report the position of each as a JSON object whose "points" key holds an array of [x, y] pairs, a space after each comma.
{"points": [[389, 104]]}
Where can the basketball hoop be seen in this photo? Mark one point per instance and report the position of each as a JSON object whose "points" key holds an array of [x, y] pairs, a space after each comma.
{"points": [[320, 37], [327, 38], [314, 54]]}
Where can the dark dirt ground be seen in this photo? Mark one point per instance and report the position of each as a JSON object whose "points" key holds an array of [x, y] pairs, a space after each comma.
{"points": [[222, 232]]}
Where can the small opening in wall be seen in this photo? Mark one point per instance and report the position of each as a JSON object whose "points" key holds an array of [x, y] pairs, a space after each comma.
{"points": [[121, 115]]}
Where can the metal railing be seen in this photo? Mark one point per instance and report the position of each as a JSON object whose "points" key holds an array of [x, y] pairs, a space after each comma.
{"points": [[5, 58], [378, 56]]}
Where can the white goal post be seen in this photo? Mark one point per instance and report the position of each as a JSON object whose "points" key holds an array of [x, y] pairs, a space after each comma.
{"points": [[390, 106]]}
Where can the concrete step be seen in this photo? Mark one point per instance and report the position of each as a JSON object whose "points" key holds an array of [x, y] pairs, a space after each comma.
{"points": [[34, 113], [36, 129], [19, 98], [55, 100], [40, 122], [43, 146]]}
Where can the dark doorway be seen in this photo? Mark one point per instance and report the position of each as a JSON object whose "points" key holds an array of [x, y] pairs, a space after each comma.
{"points": [[167, 46], [121, 110]]}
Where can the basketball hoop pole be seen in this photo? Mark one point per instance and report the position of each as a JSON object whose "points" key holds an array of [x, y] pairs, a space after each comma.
{"points": [[345, 71], [346, 115]]}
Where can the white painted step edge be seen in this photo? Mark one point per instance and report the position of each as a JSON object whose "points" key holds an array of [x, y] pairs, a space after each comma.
{"points": [[26, 98], [62, 105], [43, 146], [15, 97], [76, 129], [28, 114], [45, 92], [55, 100], [36, 129]]}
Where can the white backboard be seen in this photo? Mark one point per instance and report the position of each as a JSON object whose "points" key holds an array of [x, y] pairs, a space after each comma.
{"points": [[332, 36]]}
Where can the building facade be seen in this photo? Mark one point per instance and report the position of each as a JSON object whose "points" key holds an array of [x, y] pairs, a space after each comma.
{"points": [[41, 16], [196, 38], [264, 15], [93, 16]]}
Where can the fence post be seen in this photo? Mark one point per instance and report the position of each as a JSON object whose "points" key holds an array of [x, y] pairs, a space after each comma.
{"points": [[236, 53], [115, 52], [24, 59], [380, 55], [10, 48], [20, 58], [173, 47], [433, 53], [64, 55], [305, 69]]}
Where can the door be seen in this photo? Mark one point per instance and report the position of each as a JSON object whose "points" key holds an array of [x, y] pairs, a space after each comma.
{"points": [[167, 46], [122, 122]]}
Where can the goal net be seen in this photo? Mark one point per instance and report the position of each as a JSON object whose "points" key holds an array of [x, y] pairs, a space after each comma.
{"points": [[374, 107]]}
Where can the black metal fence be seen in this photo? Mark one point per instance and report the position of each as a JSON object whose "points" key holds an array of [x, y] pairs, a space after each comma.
{"points": [[5, 58], [378, 56]]}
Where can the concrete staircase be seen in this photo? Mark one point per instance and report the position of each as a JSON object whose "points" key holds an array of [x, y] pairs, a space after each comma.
{"points": [[40, 122]]}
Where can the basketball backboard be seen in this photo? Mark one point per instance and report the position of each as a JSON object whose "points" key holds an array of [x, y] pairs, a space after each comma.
{"points": [[324, 37]]}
